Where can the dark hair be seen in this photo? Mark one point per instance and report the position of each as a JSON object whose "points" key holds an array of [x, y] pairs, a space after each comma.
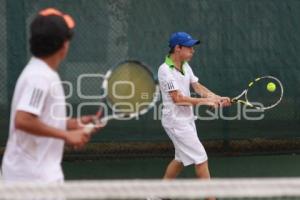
{"points": [[172, 49], [48, 34]]}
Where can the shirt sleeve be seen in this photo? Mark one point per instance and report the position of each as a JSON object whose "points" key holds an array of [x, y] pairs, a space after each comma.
{"points": [[166, 80], [34, 95], [193, 78]]}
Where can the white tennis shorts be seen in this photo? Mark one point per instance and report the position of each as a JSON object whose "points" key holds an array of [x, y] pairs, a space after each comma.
{"points": [[188, 148]]}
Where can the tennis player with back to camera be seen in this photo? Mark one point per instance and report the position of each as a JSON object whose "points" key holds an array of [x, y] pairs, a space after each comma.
{"points": [[175, 78], [39, 127]]}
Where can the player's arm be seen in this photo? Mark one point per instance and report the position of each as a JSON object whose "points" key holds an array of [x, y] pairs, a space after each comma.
{"points": [[180, 99], [31, 124], [205, 92], [202, 90]]}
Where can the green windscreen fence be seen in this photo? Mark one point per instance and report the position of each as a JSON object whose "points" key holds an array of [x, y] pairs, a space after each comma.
{"points": [[240, 40]]}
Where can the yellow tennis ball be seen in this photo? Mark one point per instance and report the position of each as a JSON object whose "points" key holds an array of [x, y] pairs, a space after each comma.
{"points": [[271, 87]]}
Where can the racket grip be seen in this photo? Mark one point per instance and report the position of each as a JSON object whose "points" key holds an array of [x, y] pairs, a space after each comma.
{"points": [[88, 128]]}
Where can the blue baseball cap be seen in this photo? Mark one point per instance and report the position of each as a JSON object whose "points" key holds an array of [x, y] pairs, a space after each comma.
{"points": [[182, 39]]}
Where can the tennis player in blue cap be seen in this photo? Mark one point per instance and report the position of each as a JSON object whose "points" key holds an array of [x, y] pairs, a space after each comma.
{"points": [[175, 78]]}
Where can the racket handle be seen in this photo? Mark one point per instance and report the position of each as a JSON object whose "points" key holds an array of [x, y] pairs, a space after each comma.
{"points": [[88, 128]]}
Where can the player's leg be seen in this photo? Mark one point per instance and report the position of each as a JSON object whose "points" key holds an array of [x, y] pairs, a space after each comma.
{"points": [[202, 172], [173, 169]]}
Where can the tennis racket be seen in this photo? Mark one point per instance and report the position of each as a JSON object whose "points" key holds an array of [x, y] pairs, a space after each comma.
{"points": [[129, 89], [263, 93]]}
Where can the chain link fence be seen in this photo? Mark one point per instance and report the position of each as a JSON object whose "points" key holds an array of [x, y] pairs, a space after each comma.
{"points": [[240, 40]]}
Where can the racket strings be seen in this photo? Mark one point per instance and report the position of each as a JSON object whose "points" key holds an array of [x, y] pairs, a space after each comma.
{"points": [[259, 96], [131, 88]]}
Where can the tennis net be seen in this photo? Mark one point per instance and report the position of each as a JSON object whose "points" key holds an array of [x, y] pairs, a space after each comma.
{"points": [[259, 188]]}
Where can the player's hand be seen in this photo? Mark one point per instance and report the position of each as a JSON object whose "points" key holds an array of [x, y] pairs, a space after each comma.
{"points": [[94, 120], [77, 138], [224, 101], [212, 102]]}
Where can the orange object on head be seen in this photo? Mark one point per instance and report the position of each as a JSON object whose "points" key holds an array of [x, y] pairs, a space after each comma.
{"points": [[70, 21], [52, 11]]}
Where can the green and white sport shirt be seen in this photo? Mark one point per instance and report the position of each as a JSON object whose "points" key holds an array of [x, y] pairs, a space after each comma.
{"points": [[171, 79]]}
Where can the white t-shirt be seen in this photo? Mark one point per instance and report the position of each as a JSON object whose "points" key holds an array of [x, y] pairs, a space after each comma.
{"points": [[29, 157], [171, 79]]}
